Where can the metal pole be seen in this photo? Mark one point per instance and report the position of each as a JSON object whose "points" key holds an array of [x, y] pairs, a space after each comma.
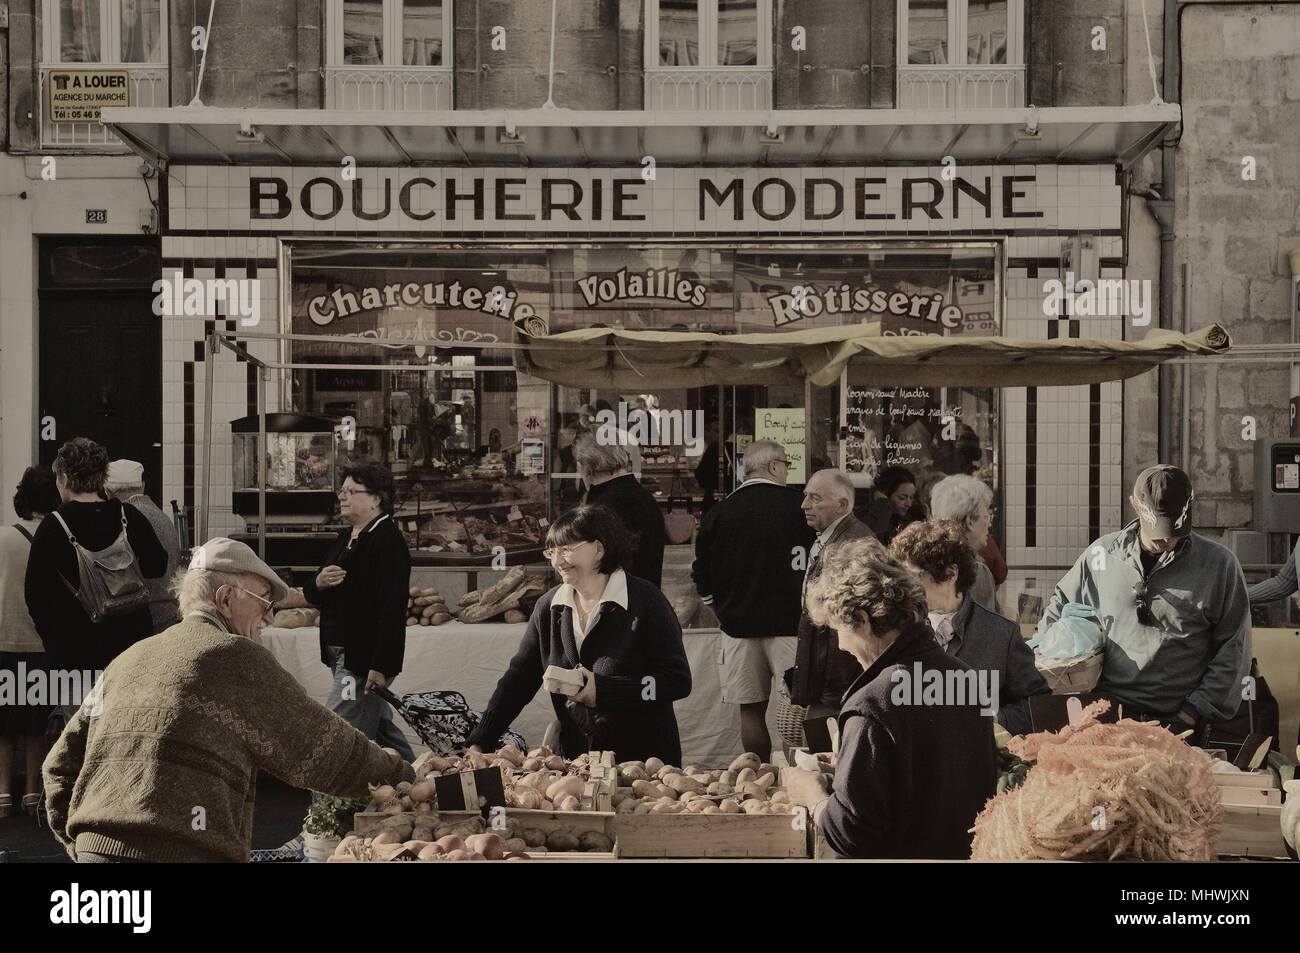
{"points": [[203, 62], [211, 348], [261, 459], [1185, 373]]}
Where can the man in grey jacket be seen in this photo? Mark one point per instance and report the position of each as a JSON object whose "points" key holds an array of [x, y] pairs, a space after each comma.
{"points": [[1174, 606], [125, 481]]}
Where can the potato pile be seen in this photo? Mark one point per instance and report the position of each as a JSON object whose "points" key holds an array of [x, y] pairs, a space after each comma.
{"points": [[748, 786], [540, 780], [502, 599], [426, 607], [428, 838], [417, 798]]}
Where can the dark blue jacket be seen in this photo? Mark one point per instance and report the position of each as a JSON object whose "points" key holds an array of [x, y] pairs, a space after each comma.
{"points": [[639, 662], [911, 775], [986, 641]]}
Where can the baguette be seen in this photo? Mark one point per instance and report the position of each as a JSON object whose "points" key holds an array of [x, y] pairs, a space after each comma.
{"points": [[506, 584], [484, 611], [471, 598]]}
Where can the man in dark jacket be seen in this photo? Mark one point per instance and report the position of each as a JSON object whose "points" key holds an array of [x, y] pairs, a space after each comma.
{"points": [[822, 671], [749, 558], [917, 758], [607, 472]]}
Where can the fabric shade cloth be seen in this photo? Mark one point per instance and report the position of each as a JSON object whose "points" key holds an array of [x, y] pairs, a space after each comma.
{"points": [[470, 658], [621, 358]]}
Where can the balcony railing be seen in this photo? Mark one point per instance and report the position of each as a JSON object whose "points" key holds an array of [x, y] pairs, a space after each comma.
{"points": [[406, 88], [961, 87], [696, 88], [148, 86]]}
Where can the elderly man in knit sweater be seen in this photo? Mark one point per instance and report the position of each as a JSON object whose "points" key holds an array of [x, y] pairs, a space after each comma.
{"points": [[160, 762]]}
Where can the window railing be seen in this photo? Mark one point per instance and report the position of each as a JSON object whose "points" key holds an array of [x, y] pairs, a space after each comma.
{"points": [[700, 88], [961, 87], [406, 88], [148, 86]]}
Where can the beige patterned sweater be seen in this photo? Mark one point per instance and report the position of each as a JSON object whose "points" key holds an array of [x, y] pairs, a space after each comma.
{"points": [[163, 766]]}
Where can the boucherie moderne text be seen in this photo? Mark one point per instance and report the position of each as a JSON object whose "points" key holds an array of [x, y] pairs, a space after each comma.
{"points": [[719, 200]]}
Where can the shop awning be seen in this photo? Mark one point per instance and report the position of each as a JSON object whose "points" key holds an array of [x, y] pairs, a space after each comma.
{"points": [[608, 357], [201, 135]]}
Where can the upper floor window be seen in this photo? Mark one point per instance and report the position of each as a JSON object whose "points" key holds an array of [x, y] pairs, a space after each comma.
{"points": [[709, 33], [105, 31], [964, 53], [708, 54], [390, 33]]}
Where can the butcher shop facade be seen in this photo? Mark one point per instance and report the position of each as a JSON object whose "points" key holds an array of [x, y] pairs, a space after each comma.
{"points": [[427, 318]]}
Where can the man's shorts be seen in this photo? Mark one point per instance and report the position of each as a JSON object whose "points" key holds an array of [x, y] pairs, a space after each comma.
{"points": [[749, 665]]}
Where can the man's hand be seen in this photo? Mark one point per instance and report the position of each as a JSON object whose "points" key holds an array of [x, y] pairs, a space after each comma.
{"points": [[806, 787], [330, 576], [588, 694], [375, 680]]}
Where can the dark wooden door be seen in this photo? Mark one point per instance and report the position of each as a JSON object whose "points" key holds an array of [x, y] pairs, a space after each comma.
{"points": [[101, 375]]}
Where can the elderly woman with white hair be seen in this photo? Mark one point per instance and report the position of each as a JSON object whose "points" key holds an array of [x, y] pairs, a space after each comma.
{"points": [[606, 471], [970, 502], [160, 762]]}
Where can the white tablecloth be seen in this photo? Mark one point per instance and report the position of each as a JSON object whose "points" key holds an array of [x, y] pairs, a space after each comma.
{"points": [[470, 658]]}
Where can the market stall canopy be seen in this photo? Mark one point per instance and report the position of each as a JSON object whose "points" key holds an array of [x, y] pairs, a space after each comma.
{"points": [[612, 357], [203, 135]]}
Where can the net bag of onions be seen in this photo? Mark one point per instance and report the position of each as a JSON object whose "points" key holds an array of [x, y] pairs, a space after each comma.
{"points": [[1123, 791]]}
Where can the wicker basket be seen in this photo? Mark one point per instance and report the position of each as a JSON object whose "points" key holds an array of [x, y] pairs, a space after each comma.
{"points": [[1073, 675], [789, 719]]}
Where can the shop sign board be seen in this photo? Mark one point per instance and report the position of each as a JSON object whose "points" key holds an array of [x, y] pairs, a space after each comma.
{"points": [[856, 200], [77, 95]]}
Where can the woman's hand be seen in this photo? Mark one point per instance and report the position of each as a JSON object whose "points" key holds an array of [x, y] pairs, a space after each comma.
{"points": [[588, 694], [330, 576], [806, 787], [375, 680]]}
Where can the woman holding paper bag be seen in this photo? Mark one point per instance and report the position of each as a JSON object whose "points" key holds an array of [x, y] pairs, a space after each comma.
{"points": [[617, 631]]}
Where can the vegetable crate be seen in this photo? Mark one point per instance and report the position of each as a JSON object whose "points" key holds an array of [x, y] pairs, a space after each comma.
{"points": [[1252, 831], [710, 835]]}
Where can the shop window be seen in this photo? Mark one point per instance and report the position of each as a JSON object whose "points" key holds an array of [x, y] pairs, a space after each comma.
{"points": [[389, 54], [965, 53], [708, 54]]}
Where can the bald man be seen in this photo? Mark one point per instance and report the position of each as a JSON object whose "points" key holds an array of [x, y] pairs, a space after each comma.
{"points": [[823, 672]]}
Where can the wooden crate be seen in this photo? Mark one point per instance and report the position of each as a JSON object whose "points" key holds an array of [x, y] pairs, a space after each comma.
{"points": [[709, 835], [1252, 831]]}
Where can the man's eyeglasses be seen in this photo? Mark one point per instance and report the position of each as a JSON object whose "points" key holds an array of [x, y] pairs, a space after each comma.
{"points": [[782, 460], [566, 551], [1143, 603], [270, 605]]}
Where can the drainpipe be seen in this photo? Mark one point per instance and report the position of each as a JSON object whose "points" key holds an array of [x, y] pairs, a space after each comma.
{"points": [[1162, 209]]}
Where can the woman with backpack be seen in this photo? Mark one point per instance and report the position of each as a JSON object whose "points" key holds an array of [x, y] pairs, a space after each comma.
{"points": [[72, 640]]}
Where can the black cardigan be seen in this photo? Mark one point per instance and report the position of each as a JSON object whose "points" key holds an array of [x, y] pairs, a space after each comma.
{"points": [[745, 563], [71, 640], [623, 648], [636, 508], [366, 613], [910, 777], [986, 641]]}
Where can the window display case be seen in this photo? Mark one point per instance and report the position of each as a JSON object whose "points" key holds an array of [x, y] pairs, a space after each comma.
{"points": [[300, 469]]}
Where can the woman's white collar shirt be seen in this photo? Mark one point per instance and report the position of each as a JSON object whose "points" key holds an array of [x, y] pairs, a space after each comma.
{"points": [[615, 592]]}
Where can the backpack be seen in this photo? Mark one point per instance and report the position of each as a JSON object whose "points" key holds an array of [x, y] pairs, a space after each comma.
{"points": [[111, 584]]}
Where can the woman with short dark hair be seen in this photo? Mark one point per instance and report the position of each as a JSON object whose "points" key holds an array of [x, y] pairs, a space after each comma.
{"points": [[915, 765], [21, 650], [362, 591], [618, 631], [893, 503], [941, 556], [72, 640]]}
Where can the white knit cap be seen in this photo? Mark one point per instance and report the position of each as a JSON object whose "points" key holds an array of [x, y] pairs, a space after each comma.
{"points": [[124, 473]]}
